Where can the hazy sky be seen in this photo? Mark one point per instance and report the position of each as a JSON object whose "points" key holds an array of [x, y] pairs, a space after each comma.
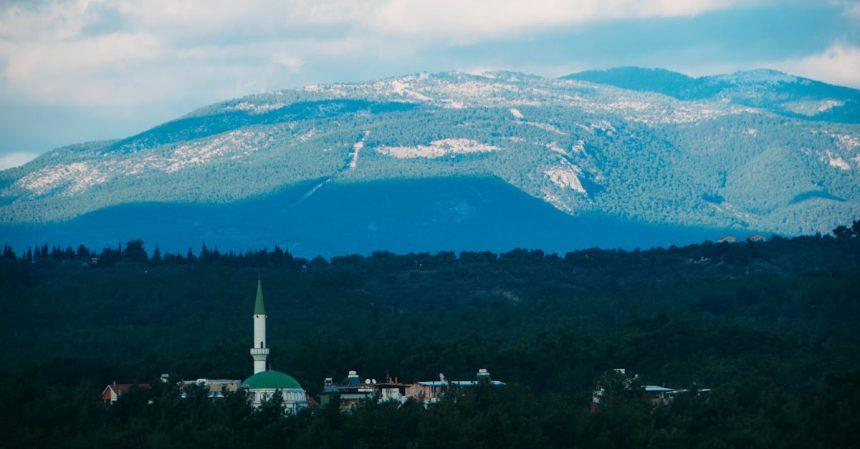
{"points": [[72, 71]]}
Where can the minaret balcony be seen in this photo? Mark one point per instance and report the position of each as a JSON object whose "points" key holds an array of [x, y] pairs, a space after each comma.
{"points": [[259, 352]]}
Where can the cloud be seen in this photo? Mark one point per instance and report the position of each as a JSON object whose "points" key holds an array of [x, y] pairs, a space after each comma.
{"points": [[838, 64], [16, 159], [289, 62], [96, 53], [469, 21], [89, 34]]}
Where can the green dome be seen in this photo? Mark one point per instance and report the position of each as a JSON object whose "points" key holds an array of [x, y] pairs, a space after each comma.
{"points": [[271, 379]]}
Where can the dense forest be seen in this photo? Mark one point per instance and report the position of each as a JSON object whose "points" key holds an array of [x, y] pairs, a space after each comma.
{"points": [[771, 327]]}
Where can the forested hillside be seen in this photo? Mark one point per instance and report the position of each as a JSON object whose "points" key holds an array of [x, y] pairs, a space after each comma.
{"points": [[579, 147], [770, 326]]}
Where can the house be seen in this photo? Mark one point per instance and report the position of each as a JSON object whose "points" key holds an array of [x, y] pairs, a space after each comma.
{"points": [[349, 394], [216, 387], [658, 395], [112, 392], [727, 239], [629, 383], [430, 392]]}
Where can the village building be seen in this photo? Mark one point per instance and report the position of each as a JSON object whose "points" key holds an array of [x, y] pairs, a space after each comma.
{"points": [[431, 391], [112, 392], [349, 394], [216, 388], [655, 394], [658, 395]]}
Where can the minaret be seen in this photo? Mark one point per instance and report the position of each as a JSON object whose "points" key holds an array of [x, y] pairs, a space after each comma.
{"points": [[259, 350]]}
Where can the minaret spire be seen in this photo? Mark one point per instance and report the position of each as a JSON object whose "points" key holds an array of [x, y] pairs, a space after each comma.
{"points": [[259, 350], [259, 309]]}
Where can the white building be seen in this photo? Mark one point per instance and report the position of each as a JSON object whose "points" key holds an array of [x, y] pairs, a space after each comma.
{"points": [[431, 391], [216, 388]]}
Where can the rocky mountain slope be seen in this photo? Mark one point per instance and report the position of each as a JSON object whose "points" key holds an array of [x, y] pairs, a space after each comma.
{"points": [[744, 155]]}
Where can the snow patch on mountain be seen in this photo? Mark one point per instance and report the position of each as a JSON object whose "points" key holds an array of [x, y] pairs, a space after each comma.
{"points": [[565, 176], [846, 141], [438, 148], [76, 177], [232, 145], [836, 161], [256, 108], [604, 126], [356, 150], [553, 146], [403, 88], [333, 90], [811, 108]]}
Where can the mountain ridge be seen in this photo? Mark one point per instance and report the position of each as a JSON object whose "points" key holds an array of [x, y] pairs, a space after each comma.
{"points": [[722, 161], [794, 96]]}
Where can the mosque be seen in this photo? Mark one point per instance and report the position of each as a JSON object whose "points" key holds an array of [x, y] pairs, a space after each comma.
{"points": [[264, 384]]}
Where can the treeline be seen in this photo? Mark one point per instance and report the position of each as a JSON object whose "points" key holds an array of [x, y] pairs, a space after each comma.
{"points": [[784, 252], [771, 327], [134, 252]]}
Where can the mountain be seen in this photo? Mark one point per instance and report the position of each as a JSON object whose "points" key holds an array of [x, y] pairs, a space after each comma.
{"points": [[771, 90], [460, 161]]}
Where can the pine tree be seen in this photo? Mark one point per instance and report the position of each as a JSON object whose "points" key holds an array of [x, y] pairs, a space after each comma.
{"points": [[8, 253], [134, 251], [156, 256], [83, 252]]}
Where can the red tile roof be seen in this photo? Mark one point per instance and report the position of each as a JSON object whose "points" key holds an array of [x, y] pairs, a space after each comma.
{"points": [[122, 388]]}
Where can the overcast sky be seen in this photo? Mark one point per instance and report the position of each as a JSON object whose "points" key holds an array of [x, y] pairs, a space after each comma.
{"points": [[73, 71]]}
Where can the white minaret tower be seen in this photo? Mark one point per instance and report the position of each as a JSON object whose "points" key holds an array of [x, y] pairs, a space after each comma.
{"points": [[259, 350]]}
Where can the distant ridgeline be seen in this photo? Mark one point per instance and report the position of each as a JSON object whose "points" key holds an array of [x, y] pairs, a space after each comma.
{"points": [[769, 89], [622, 158], [768, 328]]}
